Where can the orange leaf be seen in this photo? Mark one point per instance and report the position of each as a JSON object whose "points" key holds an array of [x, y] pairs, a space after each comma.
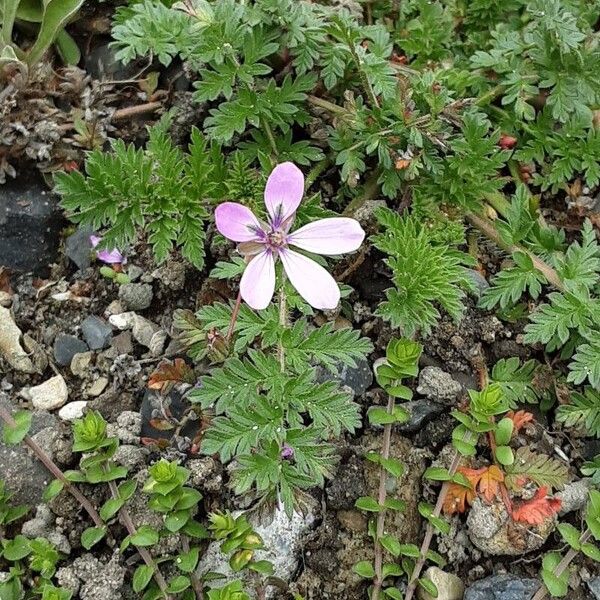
{"points": [[459, 496], [536, 510], [489, 481], [169, 373], [519, 418]]}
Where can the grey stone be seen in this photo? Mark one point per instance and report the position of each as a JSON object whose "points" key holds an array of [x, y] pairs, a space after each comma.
{"points": [[93, 579], [40, 524], [97, 387], [436, 384], [502, 587], [66, 347], [594, 585], [574, 496], [130, 456], [134, 273], [30, 224], [79, 248], [421, 412], [490, 530], [122, 343], [136, 296], [348, 484], [96, 332], [171, 275], [80, 363]]}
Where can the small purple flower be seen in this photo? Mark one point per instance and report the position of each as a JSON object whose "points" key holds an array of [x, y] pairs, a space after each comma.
{"points": [[264, 242], [109, 257], [287, 452]]}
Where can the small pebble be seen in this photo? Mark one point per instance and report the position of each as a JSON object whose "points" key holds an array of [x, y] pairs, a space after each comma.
{"points": [[72, 410]]}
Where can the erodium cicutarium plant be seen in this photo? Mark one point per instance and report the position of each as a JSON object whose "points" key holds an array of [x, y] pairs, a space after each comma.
{"points": [[275, 402]]}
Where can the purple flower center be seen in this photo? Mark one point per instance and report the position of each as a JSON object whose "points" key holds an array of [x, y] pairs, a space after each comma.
{"points": [[276, 238]]}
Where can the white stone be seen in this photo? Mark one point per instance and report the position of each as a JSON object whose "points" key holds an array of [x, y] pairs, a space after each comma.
{"points": [[122, 321], [49, 395], [282, 539], [449, 586], [72, 410], [10, 345]]}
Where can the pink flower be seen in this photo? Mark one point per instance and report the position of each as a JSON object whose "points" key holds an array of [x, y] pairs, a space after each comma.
{"points": [[109, 257], [265, 242]]}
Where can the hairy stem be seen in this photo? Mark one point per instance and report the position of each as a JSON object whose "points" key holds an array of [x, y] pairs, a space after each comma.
{"points": [[196, 583], [385, 453], [234, 316], [283, 324], [55, 470], [437, 511], [125, 518], [563, 564], [269, 133], [363, 77], [487, 228]]}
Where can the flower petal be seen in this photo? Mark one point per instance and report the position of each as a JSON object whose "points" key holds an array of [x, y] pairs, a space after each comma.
{"points": [[329, 236], [237, 222], [311, 280], [283, 192], [111, 257], [258, 281]]}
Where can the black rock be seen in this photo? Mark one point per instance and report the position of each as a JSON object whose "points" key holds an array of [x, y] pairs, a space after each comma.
{"points": [[96, 332], [101, 63], [502, 587], [359, 378], [79, 248], [30, 225], [421, 411], [66, 347]]}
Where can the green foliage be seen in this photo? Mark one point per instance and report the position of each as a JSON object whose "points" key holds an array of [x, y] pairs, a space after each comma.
{"points": [[516, 380], [49, 18], [583, 412], [160, 191], [401, 362], [425, 274]]}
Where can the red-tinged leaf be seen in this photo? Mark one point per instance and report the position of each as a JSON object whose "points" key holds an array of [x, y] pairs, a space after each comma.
{"points": [[519, 419], [538, 509], [160, 444], [459, 496], [489, 482], [169, 373], [162, 424]]}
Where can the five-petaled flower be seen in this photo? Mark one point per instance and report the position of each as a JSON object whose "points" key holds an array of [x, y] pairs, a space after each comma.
{"points": [[263, 242], [110, 257]]}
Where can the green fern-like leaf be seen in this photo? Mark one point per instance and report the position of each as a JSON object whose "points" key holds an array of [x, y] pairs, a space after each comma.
{"points": [[324, 345], [516, 380], [425, 274], [583, 413], [539, 468]]}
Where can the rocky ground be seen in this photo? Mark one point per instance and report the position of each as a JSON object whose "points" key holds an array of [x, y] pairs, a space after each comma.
{"points": [[71, 339]]}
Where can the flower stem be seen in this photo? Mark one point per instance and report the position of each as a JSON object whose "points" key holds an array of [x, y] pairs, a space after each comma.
{"points": [[234, 316], [563, 564], [385, 454], [363, 76], [437, 511], [269, 133], [283, 324], [487, 228], [143, 552], [55, 470]]}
